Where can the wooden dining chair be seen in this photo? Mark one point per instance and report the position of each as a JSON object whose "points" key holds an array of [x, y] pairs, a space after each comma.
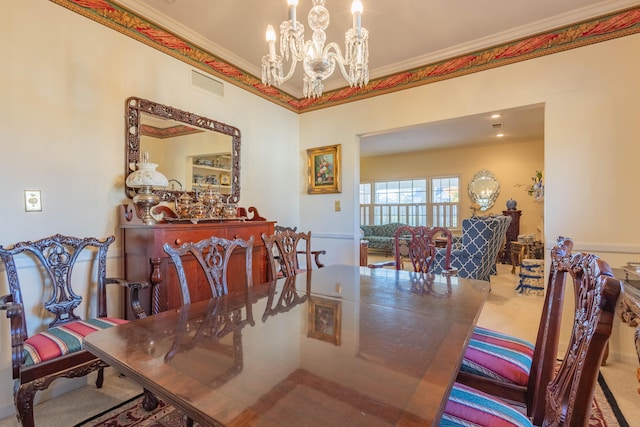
{"points": [[55, 350], [277, 229], [418, 245], [283, 299], [212, 255], [283, 249], [569, 394], [512, 368], [223, 318]]}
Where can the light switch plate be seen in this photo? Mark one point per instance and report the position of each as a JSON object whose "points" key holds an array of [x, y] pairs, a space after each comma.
{"points": [[32, 201], [337, 205]]}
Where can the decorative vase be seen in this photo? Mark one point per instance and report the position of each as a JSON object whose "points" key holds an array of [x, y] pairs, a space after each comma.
{"points": [[538, 191], [511, 204]]}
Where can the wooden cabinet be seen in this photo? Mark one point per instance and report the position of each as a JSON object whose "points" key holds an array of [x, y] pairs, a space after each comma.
{"points": [[145, 259], [512, 233]]}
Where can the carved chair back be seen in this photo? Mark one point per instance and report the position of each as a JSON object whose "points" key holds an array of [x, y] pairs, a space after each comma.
{"points": [[570, 394], [545, 351], [277, 229], [222, 317], [418, 245], [282, 252], [55, 257], [212, 257], [288, 296]]}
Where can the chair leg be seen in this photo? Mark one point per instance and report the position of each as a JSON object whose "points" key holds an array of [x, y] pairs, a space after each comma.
{"points": [[100, 378], [23, 397], [150, 401]]}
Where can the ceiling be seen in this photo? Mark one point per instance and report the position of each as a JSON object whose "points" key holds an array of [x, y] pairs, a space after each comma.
{"points": [[516, 124], [402, 35]]}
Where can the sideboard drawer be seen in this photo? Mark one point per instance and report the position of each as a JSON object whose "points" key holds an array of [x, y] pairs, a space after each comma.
{"points": [[244, 233]]}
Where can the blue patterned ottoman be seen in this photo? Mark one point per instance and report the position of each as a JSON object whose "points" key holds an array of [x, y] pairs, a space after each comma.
{"points": [[531, 277]]}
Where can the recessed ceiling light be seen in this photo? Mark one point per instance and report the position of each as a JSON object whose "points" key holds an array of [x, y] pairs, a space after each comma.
{"points": [[500, 135], [495, 116]]}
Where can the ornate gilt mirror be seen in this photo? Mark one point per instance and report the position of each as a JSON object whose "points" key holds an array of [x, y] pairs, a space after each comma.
{"points": [[484, 189], [192, 151]]}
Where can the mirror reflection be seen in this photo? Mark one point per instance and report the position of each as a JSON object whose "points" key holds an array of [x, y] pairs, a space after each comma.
{"points": [[195, 153], [484, 189]]}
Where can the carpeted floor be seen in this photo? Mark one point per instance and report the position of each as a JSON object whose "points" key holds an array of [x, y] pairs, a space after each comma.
{"points": [[131, 414]]}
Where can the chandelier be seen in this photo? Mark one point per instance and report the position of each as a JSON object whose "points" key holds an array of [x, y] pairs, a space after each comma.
{"points": [[318, 61]]}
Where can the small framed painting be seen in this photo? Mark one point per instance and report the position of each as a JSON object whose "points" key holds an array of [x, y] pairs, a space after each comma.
{"points": [[324, 320], [324, 169]]}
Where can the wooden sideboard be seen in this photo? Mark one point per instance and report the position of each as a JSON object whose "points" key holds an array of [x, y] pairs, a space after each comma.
{"points": [[145, 259]]}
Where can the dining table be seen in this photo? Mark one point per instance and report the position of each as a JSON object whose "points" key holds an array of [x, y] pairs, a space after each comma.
{"points": [[337, 346]]}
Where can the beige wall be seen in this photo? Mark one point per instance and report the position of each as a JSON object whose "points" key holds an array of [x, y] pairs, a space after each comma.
{"points": [[590, 146], [512, 164], [63, 85]]}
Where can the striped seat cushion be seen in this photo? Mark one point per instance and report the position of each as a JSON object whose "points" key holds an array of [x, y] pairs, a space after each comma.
{"points": [[499, 356], [470, 407], [64, 339]]}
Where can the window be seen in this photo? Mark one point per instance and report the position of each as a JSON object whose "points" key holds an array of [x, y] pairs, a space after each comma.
{"points": [[411, 202]]}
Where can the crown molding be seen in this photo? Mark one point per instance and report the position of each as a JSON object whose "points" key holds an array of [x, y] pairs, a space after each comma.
{"points": [[439, 66]]}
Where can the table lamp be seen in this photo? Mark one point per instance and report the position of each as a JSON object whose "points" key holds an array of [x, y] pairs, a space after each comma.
{"points": [[145, 178]]}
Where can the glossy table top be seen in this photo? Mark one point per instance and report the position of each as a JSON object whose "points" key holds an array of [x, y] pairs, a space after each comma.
{"points": [[341, 345]]}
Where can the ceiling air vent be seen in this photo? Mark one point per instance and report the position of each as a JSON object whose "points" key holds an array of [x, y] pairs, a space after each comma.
{"points": [[207, 83], [496, 125]]}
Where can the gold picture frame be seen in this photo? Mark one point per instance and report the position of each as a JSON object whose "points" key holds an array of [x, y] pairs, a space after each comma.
{"points": [[324, 169], [324, 320]]}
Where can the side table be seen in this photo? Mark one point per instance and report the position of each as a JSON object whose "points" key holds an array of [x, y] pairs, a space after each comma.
{"points": [[520, 251], [629, 306]]}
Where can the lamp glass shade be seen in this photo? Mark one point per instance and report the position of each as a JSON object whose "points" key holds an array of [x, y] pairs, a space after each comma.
{"points": [[146, 175]]}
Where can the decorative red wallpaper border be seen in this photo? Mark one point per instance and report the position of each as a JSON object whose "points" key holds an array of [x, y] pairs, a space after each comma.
{"points": [[595, 30]]}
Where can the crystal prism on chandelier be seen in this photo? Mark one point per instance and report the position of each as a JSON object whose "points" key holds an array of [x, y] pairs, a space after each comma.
{"points": [[318, 61]]}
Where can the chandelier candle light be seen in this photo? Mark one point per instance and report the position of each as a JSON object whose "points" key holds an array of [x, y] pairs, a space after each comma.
{"points": [[319, 61]]}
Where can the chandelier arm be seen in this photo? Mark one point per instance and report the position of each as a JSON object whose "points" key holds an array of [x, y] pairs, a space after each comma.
{"points": [[336, 57], [292, 69]]}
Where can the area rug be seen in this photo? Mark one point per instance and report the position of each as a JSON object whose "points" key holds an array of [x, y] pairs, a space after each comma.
{"points": [[130, 413]]}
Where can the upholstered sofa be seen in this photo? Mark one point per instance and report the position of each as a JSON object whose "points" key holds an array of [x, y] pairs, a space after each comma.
{"points": [[475, 257], [380, 237]]}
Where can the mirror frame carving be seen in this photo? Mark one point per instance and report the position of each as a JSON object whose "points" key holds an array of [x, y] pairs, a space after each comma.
{"points": [[491, 199], [136, 106]]}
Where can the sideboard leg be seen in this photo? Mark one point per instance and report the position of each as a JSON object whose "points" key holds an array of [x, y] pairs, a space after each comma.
{"points": [[157, 305]]}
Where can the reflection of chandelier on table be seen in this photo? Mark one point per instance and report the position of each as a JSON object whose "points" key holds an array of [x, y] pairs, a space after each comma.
{"points": [[319, 61]]}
